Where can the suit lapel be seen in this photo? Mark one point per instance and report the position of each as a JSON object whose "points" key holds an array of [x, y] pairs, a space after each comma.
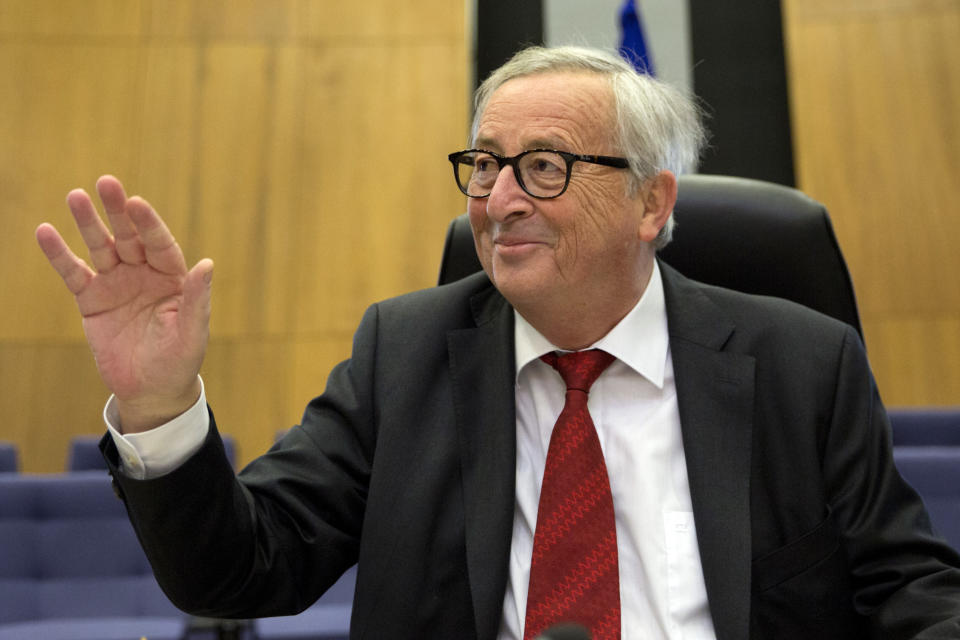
{"points": [[482, 370], [715, 391]]}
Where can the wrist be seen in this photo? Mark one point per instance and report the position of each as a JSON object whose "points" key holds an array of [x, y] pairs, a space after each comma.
{"points": [[145, 413]]}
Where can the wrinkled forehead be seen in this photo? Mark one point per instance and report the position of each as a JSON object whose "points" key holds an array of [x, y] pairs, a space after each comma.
{"points": [[554, 109]]}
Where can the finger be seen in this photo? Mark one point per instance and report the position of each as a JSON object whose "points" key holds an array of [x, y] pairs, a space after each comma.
{"points": [[195, 312], [74, 271], [129, 248], [94, 233], [160, 248]]}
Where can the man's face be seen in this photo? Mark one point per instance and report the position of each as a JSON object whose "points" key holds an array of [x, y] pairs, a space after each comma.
{"points": [[582, 247]]}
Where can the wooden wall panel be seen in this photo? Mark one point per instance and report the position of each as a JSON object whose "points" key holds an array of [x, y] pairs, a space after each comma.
{"points": [[50, 391], [875, 92], [391, 19], [226, 19], [248, 382], [301, 144], [58, 118], [918, 355], [406, 167], [83, 18]]}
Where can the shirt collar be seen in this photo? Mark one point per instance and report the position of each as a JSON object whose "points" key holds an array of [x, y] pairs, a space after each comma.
{"points": [[640, 340]]}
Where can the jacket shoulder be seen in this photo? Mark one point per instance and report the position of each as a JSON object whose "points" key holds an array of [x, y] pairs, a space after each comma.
{"points": [[468, 302], [693, 305]]}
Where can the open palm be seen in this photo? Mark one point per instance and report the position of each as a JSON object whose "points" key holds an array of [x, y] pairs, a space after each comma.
{"points": [[146, 317]]}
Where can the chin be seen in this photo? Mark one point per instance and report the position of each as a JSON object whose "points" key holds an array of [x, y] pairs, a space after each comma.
{"points": [[519, 286]]}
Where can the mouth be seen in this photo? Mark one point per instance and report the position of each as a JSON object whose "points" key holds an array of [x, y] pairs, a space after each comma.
{"points": [[515, 246]]}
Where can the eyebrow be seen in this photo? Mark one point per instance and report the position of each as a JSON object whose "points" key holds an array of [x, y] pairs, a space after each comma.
{"points": [[536, 143], [486, 143]]}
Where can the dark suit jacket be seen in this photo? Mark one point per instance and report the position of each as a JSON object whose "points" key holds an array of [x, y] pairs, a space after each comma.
{"points": [[406, 465]]}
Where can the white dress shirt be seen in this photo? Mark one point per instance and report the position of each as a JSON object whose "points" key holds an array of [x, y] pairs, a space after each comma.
{"points": [[634, 407], [151, 454]]}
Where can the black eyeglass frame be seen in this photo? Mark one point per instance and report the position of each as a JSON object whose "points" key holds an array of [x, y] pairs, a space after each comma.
{"points": [[513, 161]]}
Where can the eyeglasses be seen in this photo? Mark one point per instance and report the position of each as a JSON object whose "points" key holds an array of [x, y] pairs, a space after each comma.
{"points": [[542, 173]]}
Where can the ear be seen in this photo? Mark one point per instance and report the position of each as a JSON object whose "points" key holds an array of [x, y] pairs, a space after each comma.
{"points": [[659, 194]]}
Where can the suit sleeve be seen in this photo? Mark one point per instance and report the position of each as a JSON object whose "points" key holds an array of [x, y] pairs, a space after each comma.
{"points": [[270, 540], [906, 580]]}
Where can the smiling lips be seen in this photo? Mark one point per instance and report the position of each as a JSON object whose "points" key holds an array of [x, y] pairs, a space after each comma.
{"points": [[511, 245]]}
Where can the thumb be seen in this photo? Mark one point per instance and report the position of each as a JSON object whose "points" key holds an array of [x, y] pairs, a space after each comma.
{"points": [[195, 313]]}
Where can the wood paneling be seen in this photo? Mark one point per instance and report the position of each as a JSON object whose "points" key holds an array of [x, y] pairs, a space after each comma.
{"points": [[66, 110], [875, 91], [79, 18], [228, 19], [50, 392], [390, 19], [301, 144]]}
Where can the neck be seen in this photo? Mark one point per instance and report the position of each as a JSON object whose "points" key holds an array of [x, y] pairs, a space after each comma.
{"points": [[574, 334], [577, 324], [574, 323]]}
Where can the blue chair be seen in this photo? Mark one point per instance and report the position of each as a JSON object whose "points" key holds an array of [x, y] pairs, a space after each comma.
{"points": [[71, 567], [84, 454], [934, 472], [327, 619], [926, 426], [9, 458]]}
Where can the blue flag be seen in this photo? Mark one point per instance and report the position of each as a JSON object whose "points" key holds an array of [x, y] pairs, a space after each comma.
{"points": [[633, 46]]}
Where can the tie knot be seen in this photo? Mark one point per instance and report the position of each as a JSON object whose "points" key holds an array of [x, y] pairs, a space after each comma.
{"points": [[579, 369]]}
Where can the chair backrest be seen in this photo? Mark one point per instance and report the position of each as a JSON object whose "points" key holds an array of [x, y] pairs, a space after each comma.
{"points": [[67, 550], [934, 472], [84, 454], [925, 426], [9, 459], [327, 618], [749, 235]]}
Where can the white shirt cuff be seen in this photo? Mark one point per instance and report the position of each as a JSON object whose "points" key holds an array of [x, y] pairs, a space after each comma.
{"points": [[151, 454]]}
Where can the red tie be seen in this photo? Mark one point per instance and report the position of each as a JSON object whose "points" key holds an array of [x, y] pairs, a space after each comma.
{"points": [[573, 574]]}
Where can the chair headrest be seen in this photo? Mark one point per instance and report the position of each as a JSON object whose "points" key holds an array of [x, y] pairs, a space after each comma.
{"points": [[742, 234]]}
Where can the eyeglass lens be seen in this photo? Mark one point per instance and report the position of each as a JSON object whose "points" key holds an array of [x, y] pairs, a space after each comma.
{"points": [[541, 173]]}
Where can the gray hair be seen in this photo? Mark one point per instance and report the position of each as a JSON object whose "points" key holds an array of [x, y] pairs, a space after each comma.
{"points": [[658, 126]]}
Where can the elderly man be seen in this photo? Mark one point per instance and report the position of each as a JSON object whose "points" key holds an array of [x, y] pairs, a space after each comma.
{"points": [[577, 434]]}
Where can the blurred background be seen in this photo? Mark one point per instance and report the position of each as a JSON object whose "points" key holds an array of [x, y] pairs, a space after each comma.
{"points": [[301, 144]]}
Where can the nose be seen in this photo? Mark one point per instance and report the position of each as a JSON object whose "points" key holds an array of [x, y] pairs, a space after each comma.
{"points": [[507, 199]]}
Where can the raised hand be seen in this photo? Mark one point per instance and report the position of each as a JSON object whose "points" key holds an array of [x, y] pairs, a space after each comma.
{"points": [[146, 317]]}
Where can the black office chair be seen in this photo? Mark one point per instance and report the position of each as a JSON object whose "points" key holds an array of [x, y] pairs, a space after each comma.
{"points": [[738, 233]]}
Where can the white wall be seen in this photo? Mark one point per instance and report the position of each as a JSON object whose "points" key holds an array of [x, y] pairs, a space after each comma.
{"points": [[597, 23]]}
